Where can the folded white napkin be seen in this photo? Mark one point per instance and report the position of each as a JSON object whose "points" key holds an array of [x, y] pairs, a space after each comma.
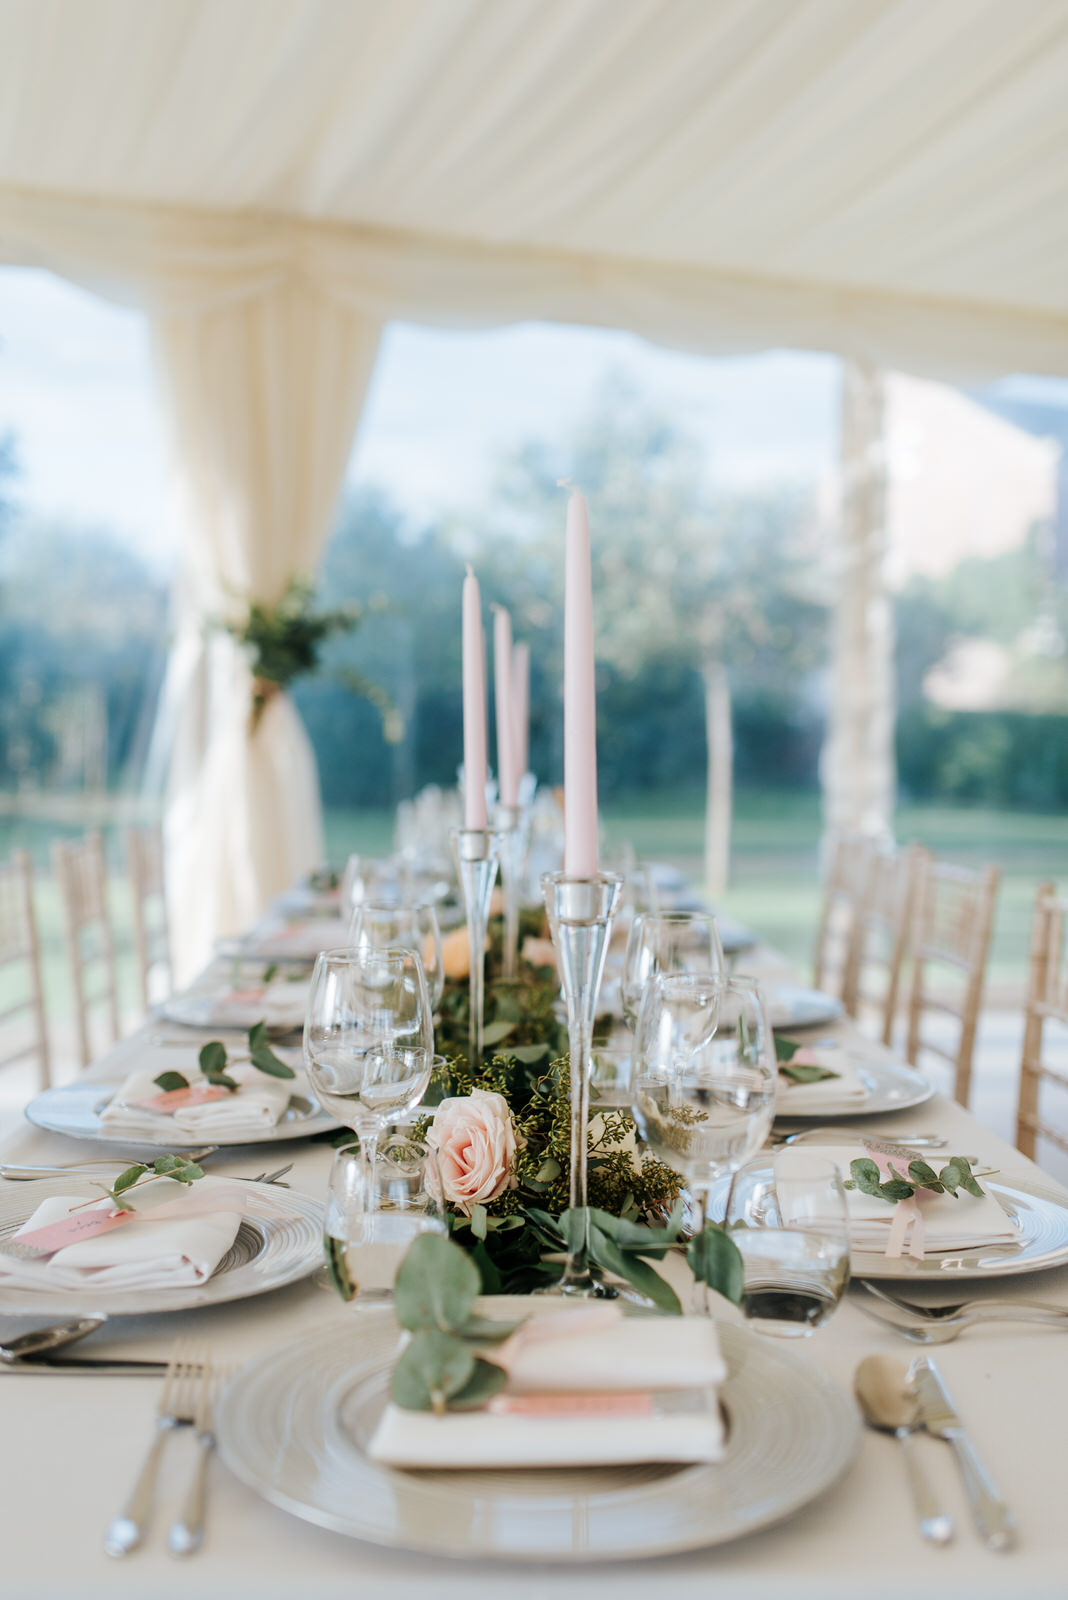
{"points": [[172, 1252], [798, 1099], [964, 1223], [258, 1103], [612, 1392]]}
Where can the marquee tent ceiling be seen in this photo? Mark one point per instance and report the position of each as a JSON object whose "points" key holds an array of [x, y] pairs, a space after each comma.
{"points": [[890, 165]]}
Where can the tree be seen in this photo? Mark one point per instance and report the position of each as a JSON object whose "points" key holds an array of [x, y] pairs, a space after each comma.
{"points": [[727, 586]]}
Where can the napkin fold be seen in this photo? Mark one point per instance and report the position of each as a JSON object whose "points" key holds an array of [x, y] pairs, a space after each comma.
{"points": [[798, 1099], [258, 1103], [584, 1389], [297, 941], [964, 1223], [180, 1248]]}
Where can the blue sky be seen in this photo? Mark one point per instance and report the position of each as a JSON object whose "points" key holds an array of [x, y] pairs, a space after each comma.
{"points": [[77, 390]]}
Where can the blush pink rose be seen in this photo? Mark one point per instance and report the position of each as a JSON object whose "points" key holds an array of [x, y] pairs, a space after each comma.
{"points": [[476, 1145]]}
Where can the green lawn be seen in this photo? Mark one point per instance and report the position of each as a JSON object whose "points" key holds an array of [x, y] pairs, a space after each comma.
{"points": [[775, 883]]}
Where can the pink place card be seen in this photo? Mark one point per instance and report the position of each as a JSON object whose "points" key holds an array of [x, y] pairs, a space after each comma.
{"points": [[245, 997], [195, 1094], [71, 1229]]}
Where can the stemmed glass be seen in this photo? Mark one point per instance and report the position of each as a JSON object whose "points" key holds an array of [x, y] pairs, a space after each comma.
{"points": [[704, 1080], [377, 925], [369, 1040], [678, 941]]}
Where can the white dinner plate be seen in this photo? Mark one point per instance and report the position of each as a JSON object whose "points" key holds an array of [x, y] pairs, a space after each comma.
{"points": [[1039, 1215], [890, 1086], [74, 1109], [279, 1241], [793, 1007], [294, 1424]]}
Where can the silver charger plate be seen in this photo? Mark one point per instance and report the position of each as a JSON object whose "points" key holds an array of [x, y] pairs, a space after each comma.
{"points": [[1038, 1213], [280, 1240], [294, 1422], [890, 1085], [74, 1109], [794, 1007]]}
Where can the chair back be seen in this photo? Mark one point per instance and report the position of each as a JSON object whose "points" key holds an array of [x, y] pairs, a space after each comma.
{"points": [[884, 920], [152, 946], [1045, 1042], [23, 1029], [81, 874], [951, 939], [843, 893]]}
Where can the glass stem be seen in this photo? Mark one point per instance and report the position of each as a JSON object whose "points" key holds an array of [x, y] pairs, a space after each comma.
{"points": [[477, 948], [368, 1136], [701, 1303], [578, 1277]]}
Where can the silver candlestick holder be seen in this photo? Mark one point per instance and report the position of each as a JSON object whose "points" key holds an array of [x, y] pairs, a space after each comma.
{"points": [[476, 851], [580, 920], [513, 827]]}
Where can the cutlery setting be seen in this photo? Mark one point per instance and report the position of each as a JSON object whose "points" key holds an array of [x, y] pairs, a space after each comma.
{"points": [[942, 1324]]}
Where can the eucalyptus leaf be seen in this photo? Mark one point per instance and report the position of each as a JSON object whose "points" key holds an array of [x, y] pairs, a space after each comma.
{"points": [[171, 1080], [924, 1175], [220, 1080], [436, 1285], [806, 1073], [630, 1266], [265, 1060], [529, 1053], [487, 1380], [167, 1164], [549, 1169], [188, 1173], [484, 1330], [478, 1222], [785, 1049], [896, 1189], [269, 972], [432, 1366], [495, 1032], [716, 1260], [127, 1179], [866, 1175], [212, 1058]]}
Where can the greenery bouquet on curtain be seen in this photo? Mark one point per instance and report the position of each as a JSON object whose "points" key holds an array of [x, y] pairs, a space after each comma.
{"points": [[284, 641]]}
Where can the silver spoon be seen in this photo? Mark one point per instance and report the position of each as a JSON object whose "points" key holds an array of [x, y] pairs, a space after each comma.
{"points": [[40, 1340], [884, 1395]]}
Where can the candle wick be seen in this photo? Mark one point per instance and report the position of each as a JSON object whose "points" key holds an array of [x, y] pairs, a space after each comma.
{"points": [[564, 483], [470, 569]]}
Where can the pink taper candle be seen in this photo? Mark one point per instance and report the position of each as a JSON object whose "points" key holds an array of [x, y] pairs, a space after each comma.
{"points": [[580, 705], [507, 766], [474, 707], [521, 706]]}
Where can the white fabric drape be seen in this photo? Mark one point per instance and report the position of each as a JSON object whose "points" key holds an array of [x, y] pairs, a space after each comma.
{"points": [[265, 393], [858, 758]]}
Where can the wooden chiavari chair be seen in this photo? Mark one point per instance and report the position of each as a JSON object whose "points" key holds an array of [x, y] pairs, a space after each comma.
{"points": [[144, 863], [951, 939], [81, 873], [880, 942], [21, 993], [843, 894], [1046, 1014]]}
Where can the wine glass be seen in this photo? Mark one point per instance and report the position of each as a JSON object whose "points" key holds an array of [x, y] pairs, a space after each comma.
{"points": [[704, 1079], [377, 924], [367, 1232], [788, 1217], [369, 1040], [370, 878], [677, 941]]}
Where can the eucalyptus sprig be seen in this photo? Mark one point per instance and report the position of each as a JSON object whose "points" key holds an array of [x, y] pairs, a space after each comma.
{"points": [[954, 1176], [434, 1294], [798, 1071], [180, 1168], [213, 1061]]}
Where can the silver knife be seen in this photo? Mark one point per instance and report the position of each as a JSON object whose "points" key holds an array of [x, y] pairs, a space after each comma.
{"points": [[939, 1416]]}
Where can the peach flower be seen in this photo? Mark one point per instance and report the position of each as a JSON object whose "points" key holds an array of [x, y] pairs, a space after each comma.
{"points": [[476, 1146]]}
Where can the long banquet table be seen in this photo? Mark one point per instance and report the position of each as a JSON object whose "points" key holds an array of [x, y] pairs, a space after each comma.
{"points": [[70, 1445]]}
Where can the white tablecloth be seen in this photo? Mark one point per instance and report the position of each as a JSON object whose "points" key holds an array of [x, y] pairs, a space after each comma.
{"points": [[71, 1446]]}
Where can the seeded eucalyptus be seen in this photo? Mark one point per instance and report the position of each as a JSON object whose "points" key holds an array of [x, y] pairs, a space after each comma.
{"points": [[954, 1176]]}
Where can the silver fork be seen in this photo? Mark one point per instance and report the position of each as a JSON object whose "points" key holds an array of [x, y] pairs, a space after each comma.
{"points": [[176, 1409], [187, 1532], [949, 1322]]}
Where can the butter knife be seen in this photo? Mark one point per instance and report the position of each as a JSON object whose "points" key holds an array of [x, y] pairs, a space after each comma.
{"points": [[990, 1514]]}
